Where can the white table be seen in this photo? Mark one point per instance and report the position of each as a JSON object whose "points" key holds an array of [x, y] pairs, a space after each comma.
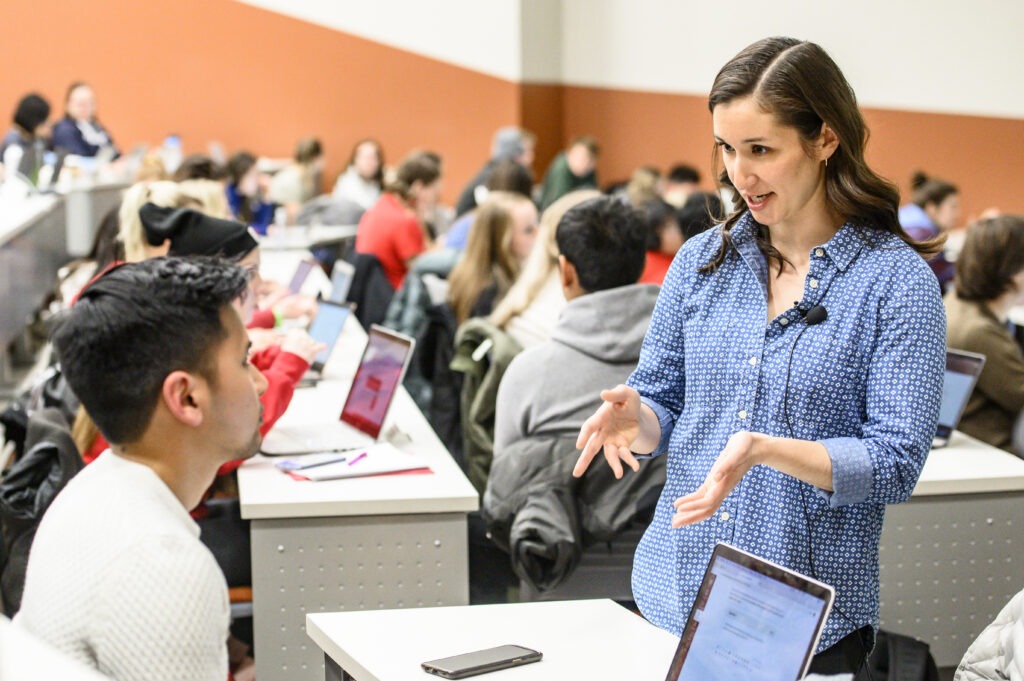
{"points": [[595, 639], [952, 556], [303, 238], [365, 543]]}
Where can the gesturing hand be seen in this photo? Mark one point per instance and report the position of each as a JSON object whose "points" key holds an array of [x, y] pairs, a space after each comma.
{"points": [[613, 428], [729, 468]]}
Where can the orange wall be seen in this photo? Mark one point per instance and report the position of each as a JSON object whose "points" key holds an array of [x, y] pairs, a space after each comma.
{"points": [[983, 156], [221, 70], [249, 78]]}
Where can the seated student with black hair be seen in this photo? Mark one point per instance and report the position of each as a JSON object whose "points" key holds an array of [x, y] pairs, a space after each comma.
{"points": [[549, 390], [601, 245], [117, 577]]}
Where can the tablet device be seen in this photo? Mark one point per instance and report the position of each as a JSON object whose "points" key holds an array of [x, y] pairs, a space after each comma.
{"points": [[326, 328]]}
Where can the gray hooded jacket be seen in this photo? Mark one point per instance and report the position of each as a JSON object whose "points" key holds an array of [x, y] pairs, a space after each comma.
{"points": [[551, 389]]}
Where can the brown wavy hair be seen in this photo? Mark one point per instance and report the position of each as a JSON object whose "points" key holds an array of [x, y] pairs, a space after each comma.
{"points": [[488, 258], [798, 83]]}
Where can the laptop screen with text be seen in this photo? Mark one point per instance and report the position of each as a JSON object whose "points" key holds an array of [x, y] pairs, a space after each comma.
{"points": [[751, 620]]}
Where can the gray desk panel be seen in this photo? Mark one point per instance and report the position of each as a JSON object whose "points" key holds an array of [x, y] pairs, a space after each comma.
{"points": [[29, 260], [948, 566], [308, 565]]}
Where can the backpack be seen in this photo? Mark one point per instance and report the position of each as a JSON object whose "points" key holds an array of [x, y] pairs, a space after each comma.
{"points": [[901, 658], [28, 488]]}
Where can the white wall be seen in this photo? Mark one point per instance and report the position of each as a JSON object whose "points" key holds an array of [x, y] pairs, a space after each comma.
{"points": [[947, 56], [934, 55], [483, 35]]}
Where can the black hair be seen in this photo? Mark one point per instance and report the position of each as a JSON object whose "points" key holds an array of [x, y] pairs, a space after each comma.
{"points": [[198, 167], [238, 165], [931, 189], [136, 324], [32, 112], [700, 212], [656, 213], [604, 238], [684, 173], [510, 176]]}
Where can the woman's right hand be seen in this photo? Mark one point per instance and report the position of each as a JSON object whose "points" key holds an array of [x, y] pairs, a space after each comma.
{"points": [[613, 428]]}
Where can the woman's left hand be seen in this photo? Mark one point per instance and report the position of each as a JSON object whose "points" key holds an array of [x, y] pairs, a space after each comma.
{"points": [[729, 468]]}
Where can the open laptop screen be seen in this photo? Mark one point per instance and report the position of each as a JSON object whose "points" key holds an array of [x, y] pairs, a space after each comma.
{"points": [[341, 281], [962, 371], [751, 620], [301, 272], [381, 370]]}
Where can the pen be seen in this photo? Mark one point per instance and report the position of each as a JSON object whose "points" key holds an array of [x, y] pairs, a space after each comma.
{"points": [[321, 463], [357, 459]]}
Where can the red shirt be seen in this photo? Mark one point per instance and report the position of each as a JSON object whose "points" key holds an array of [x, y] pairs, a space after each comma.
{"points": [[390, 231], [656, 268]]}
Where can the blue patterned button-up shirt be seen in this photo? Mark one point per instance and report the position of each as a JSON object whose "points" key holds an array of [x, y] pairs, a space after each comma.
{"points": [[866, 383]]}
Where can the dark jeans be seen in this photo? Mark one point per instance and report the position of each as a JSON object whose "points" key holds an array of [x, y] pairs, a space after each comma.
{"points": [[847, 656]]}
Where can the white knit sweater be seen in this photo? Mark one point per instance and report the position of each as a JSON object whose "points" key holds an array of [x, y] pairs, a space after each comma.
{"points": [[118, 579], [998, 652]]}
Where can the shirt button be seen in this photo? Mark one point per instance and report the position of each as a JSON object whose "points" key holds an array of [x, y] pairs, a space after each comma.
{"points": [[723, 516], [753, 361], [819, 252], [813, 283], [742, 413], [784, 321]]}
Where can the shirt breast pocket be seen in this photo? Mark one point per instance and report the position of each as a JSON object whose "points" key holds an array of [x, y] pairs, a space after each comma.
{"points": [[830, 382]]}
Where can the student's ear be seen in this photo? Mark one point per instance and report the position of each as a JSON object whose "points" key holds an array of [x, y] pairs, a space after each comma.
{"points": [[828, 141], [567, 272], [186, 397]]}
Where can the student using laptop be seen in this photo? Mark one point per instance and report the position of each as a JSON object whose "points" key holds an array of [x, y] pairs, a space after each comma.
{"points": [[117, 577], [989, 282], [786, 424]]}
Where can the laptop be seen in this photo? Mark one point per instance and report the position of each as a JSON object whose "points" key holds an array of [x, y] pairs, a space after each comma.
{"points": [[962, 371], [300, 276], [377, 379], [326, 328], [341, 280], [752, 619]]}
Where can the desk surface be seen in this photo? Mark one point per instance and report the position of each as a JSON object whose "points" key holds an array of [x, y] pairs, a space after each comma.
{"points": [[579, 639], [303, 238], [17, 214], [967, 466], [265, 492]]}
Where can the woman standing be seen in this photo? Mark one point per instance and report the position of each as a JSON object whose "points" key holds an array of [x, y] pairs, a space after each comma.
{"points": [[783, 357]]}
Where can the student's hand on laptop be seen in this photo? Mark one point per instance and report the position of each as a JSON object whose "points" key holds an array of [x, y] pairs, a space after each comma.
{"points": [[295, 306], [729, 468], [298, 342], [613, 427]]}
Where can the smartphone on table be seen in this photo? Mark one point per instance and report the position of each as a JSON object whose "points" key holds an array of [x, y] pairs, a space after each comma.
{"points": [[481, 661]]}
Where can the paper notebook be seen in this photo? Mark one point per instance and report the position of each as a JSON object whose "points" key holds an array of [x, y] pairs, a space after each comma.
{"points": [[379, 459]]}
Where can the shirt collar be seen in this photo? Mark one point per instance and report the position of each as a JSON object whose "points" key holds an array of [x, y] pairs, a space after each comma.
{"points": [[841, 249]]}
